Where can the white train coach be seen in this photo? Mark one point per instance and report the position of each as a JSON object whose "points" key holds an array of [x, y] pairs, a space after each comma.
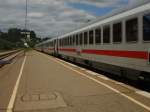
{"points": [[118, 43]]}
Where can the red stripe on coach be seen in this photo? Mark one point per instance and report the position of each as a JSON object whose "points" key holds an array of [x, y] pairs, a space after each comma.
{"points": [[129, 54], [117, 53]]}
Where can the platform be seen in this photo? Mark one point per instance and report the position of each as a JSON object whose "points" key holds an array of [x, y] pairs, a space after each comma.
{"points": [[48, 84]]}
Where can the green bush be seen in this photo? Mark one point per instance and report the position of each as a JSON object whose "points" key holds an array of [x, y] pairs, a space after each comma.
{"points": [[6, 45]]}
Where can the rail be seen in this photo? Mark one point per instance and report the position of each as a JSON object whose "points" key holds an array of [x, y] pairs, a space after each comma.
{"points": [[7, 57]]}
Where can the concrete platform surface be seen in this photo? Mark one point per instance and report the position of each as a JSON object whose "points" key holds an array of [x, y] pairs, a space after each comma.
{"points": [[49, 85]]}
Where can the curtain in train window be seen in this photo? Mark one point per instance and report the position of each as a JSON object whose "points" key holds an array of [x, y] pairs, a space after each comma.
{"points": [[132, 30], [146, 27]]}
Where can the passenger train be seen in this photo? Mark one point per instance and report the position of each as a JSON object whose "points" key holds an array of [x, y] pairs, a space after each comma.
{"points": [[118, 43]]}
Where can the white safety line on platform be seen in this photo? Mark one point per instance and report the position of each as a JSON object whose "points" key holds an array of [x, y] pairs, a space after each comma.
{"points": [[83, 69], [124, 85], [71, 64], [143, 93], [99, 82], [119, 83], [103, 77], [91, 72], [97, 74], [13, 96]]}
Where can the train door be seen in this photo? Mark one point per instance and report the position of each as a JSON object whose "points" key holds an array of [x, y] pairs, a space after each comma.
{"points": [[56, 46]]}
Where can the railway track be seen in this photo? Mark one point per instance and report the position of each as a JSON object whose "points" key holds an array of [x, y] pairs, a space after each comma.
{"points": [[7, 57]]}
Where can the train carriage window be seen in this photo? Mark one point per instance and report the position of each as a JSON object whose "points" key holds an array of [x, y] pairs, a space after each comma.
{"points": [[81, 38], [146, 27], [106, 34], [58, 41], [65, 41], [85, 38], [149, 57], [77, 38], [91, 37], [132, 30], [62, 42], [68, 41], [71, 40], [52, 43], [74, 39], [117, 32], [98, 36]]}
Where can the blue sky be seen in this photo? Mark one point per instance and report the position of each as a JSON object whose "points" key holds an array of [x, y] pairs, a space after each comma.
{"points": [[124, 2], [98, 11], [94, 10]]}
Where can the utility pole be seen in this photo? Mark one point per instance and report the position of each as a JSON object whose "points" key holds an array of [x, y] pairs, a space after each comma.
{"points": [[26, 20], [26, 14], [27, 34]]}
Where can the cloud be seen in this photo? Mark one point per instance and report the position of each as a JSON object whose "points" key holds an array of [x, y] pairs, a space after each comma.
{"points": [[35, 14], [49, 17]]}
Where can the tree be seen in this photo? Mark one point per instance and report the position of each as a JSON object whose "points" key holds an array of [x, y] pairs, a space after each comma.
{"points": [[14, 38], [14, 35]]}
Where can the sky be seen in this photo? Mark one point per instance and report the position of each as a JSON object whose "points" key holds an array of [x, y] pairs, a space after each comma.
{"points": [[49, 18]]}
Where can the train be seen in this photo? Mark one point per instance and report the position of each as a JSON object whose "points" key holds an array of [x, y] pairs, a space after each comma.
{"points": [[118, 43]]}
